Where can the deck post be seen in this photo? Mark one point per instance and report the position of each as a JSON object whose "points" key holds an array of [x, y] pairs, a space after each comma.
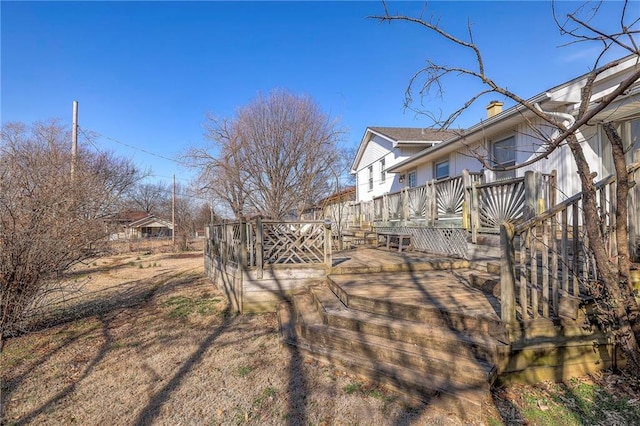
{"points": [[259, 248], [404, 199], [466, 186], [475, 213], [532, 192], [507, 275], [242, 263], [430, 202], [243, 243], [328, 261], [223, 242], [385, 209]]}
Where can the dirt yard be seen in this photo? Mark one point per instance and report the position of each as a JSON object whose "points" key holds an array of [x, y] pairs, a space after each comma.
{"points": [[153, 342], [148, 340]]}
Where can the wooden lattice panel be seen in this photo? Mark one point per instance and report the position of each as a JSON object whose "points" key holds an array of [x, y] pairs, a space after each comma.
{"points": [[446, 241], [215, 232], [232, 242], [293, 243]]}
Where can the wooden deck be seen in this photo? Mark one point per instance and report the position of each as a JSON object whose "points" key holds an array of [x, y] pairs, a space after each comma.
{"points": [[414, 279], [446, 290], [371, 260]]}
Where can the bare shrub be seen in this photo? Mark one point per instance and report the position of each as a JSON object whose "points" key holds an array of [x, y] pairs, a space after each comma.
{"points": [[49, 219]]}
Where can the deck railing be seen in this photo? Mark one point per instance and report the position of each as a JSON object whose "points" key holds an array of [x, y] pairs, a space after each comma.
{"points": [[555, 261], [480, 207], [258, 243]]}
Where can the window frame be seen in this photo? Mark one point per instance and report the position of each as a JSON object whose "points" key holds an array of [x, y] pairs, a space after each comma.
{"points": [[435, 169], [507, 174], [413, 173], [383, 174], [370, 177]]}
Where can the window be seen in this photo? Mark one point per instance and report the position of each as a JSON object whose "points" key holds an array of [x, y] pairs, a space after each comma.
{"points": [[504, 154], [441, 170], [370, 170], [413, 178], [383, 174]]}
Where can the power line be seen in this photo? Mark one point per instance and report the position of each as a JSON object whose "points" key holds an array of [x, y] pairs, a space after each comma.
{"points": [[181, 163], [168, 177], [88, 139]]}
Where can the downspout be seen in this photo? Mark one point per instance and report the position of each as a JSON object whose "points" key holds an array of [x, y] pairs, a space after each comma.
{"points": [[568, 120]]}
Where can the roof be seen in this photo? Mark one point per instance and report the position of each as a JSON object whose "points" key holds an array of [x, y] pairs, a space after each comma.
{"points": [[557, 95], [347, 194], [414, 136], [151, 220], [340, 195], [130, 215]]}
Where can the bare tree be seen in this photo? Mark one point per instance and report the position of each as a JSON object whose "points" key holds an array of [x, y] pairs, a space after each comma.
{"points": [[148, 197], [220, 168], [273, 158], [616, 303], [340, 181], [49, 220]]}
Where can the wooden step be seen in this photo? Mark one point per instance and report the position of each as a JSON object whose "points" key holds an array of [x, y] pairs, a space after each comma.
{"points": [[413, 310], [473, 345], [462, 396], [430, 361], [431, 265]]}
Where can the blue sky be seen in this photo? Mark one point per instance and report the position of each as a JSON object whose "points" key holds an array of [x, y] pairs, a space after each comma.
{"points": [[146, 73]]}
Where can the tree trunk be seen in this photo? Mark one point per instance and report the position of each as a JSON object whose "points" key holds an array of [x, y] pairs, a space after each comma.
{"points": [[610, 300], [622, 232]]}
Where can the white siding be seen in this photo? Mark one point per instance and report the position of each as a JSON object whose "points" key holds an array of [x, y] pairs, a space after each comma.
{"points": [[376, 149]]}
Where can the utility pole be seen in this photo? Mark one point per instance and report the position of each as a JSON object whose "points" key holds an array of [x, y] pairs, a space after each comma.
{"points": [[173, 212], [74, 139]]}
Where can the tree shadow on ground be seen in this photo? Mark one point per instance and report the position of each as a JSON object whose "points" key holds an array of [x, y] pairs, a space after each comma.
{"points": [[152, 409], [103, 306], [105, 320]]}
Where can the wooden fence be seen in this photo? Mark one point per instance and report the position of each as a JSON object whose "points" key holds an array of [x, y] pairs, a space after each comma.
{"points": [[555, 262], [252, 261]]}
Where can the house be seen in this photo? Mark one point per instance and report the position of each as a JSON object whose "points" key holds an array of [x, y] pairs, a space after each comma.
{"points": [[336, 207], [149, 227], [515, 135], [382, 148], [116, 225]]}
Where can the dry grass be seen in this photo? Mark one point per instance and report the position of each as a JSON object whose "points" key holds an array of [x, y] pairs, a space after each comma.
{"points": [[149, 340], [157, 345]]}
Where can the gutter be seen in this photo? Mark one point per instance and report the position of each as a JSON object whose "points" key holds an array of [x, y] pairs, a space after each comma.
{"points": [[403, 165]]}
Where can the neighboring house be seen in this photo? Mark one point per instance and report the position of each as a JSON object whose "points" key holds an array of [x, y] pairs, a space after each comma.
{"points": [[116, 225], [383, 147], [336, 207], [506, 138], [149, 227]]}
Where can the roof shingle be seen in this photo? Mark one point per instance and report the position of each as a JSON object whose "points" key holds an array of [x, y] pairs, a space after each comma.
{"points": [[413, 133]]}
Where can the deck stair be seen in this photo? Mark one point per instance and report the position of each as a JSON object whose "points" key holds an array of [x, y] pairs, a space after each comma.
{"points": [[443, 356], [358, 235]]}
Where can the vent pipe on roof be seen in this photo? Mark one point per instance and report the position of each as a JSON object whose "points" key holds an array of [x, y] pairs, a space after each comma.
{"points": [[494, 108]]}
